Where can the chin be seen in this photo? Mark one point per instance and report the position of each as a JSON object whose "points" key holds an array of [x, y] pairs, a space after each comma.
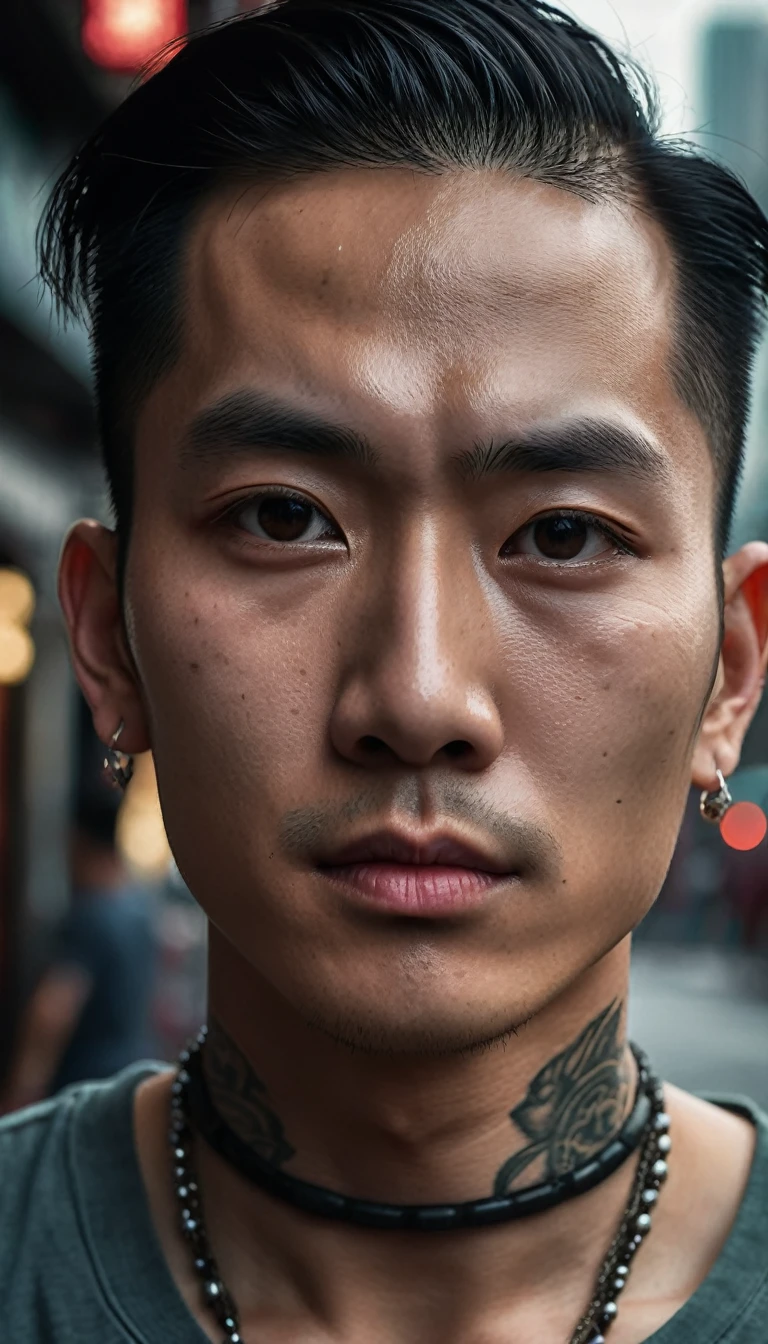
{"points": [[402, 1023]]}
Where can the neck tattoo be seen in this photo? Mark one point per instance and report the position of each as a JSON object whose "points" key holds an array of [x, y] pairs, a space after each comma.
{"points": [[572, 1116]]}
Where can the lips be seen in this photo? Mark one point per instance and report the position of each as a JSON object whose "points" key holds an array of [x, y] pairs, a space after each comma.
{"points": [[440, 851], [431, 877]]}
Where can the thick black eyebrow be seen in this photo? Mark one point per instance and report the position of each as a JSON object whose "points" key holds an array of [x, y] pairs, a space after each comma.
{"points": [[576, 446], [247, 420]]}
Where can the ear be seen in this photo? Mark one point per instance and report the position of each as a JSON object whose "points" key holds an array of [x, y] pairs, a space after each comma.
{"points": [[741, 669], [102, 660]]}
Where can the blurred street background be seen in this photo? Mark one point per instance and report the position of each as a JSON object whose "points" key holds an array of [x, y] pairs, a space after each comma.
{"points": [[700, 1004]]}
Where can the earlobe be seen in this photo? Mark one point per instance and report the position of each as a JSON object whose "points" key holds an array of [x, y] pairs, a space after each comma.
{"points": [[90, 602]]}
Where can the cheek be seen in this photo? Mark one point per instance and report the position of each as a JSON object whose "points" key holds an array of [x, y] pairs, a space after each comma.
{"points": [[236, 699], [618, 722]]}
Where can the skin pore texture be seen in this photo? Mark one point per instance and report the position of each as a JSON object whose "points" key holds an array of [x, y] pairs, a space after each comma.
{"points": [[430, 367]]}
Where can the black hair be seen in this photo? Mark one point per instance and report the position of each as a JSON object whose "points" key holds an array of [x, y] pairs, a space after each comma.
{"points": [[300, 86]]}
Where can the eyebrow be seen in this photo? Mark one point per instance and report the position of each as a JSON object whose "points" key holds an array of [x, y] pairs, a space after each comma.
{"points": [[244, 421], [247, 420], [575, 445]]}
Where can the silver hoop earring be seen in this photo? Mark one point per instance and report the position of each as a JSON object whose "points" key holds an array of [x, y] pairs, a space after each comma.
{"points": [[713, 806], [118, 764]]}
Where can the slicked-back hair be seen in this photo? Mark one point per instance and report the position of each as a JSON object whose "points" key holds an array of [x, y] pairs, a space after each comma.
{"points": [[302, 86]]}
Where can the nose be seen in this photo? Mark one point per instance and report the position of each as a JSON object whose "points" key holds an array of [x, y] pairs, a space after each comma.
{"points": [[416, 684]]}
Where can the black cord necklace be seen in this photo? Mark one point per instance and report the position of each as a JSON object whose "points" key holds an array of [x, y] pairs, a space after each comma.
{"points": [[646, 1128], [315, 1199]]}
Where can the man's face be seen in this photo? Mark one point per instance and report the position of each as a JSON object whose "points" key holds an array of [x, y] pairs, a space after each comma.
{"points": [[422, 551]]}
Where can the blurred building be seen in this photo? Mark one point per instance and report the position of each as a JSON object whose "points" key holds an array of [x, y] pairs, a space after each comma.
{"points": [[52, 95], [48, 100]]}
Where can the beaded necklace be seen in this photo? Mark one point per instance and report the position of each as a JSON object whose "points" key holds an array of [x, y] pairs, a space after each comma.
{"points": [[190, 1102]]}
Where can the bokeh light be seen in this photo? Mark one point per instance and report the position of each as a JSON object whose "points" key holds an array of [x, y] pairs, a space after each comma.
{"points": [[17, 597], [17, 653], [141, 836], [744, 826]]}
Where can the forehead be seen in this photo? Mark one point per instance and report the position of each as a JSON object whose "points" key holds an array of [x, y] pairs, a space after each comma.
{"points": [[392, 291]]}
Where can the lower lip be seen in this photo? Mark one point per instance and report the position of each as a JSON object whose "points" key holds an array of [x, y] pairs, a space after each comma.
{"points": [[413, 889]]}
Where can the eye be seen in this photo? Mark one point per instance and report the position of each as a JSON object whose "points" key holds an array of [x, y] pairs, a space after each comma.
{"points": [[563, 536], [283, 517]]}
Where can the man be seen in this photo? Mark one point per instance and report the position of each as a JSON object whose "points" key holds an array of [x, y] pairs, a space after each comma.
{"points": [[88, 1015], [422, 369]]}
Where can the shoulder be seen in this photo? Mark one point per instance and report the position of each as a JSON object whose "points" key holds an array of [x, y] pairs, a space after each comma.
{"points": [[703, 1274], [25, 1135], [718, 1181], [65, 1166], [722, 1144], [38, 1144]]}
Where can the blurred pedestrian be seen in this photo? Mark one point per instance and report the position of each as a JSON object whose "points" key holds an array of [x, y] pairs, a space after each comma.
{"points": [[87, 1017]]}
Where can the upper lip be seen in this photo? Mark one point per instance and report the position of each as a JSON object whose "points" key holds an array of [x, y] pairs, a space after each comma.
{"points": [[425, 851]]}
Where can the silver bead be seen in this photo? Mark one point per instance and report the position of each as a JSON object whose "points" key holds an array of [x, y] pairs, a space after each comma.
{"points": [[618, 1284], [643, 1224], [212, 1289], [659, 1170], [622, 1271], [650, 1196], [610, 1311], [661, 1122], [664, 1144]]}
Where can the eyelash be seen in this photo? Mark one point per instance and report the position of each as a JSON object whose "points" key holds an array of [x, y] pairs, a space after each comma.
{"points": [[229, 519], [591, 520]]}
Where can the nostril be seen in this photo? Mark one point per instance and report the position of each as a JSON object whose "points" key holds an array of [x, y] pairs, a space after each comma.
{"points": [[457, 749], [373, 745]]}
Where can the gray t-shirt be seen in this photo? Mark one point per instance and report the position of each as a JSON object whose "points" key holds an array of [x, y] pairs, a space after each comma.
{"points": [[80, 1262]]}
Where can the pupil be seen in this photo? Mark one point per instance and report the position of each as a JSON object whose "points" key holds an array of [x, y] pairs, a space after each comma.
{"points": [[284, 519], [560, 538]]}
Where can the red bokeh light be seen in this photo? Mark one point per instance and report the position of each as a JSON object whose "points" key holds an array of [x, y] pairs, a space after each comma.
{"points": [[744, 826], [122, 35]]}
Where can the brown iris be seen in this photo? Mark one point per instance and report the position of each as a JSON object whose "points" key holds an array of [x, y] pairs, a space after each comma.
{"points": [[561, 538], [284, 519]]}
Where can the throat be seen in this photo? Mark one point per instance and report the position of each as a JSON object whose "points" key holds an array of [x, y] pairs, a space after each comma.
{"points": [[582, 1113]]}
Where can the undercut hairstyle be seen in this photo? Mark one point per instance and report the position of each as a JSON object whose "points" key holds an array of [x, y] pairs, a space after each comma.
{"points": [[302, 86]]}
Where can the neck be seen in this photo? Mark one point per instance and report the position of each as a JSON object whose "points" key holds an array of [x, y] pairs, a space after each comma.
{"points": [[426, 1130]]}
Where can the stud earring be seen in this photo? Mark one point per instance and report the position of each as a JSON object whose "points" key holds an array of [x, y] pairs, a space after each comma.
{"points": [[742, 825], [118, 764]]}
